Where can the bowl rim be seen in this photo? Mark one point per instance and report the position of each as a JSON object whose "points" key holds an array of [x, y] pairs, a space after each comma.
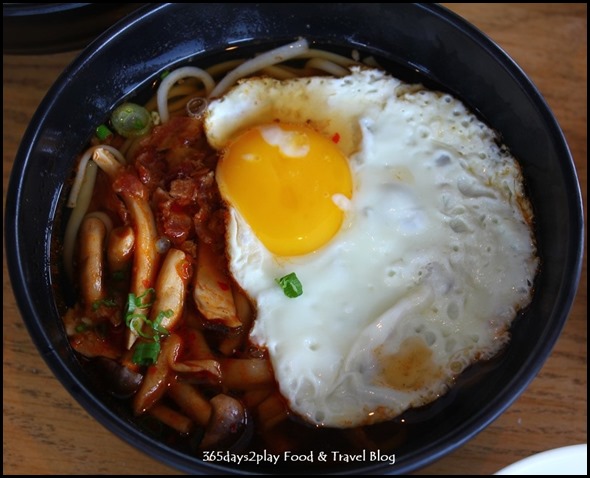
{"points": [[172, 457]]}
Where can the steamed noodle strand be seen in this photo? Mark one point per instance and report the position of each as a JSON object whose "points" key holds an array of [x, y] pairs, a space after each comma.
{"points": [[174, 77], [328, 62], [279, 72], [327, 66], [220, 68], [278, 55], [329, 56]]}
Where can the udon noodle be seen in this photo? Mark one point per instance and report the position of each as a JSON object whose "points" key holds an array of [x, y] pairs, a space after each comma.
{"points": [[142, 244]]}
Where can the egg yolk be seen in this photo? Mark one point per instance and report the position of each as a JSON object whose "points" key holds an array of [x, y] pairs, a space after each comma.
{"points": [[283, 180]]}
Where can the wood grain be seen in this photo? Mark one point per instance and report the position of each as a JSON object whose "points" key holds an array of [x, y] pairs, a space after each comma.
{"points": [[47, 432]]}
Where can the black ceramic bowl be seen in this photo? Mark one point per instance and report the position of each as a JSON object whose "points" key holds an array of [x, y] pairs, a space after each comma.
{"points": [[419, 41]]}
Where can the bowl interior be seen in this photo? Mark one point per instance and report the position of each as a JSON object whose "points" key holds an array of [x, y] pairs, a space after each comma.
{"points": [[418, 43]]}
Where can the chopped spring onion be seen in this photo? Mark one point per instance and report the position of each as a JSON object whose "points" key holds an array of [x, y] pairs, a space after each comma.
{"points": [[136, 302], [130, 119], [291, 285], [106, 302], [103, 132], [81, 328], [146, 353], [157, 323], [134, 317], [135, 323], [119, 275]]}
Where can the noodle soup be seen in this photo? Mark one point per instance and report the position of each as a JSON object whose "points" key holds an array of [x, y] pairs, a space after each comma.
{"points": [[163, 315]]}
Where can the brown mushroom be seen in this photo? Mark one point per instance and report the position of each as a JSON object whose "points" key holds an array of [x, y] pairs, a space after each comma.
{"points": [[228, 424], [120, 380]]}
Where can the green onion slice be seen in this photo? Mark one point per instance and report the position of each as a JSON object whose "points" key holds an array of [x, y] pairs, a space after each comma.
{"points": [[106, 302], [136, 302], [146, 353], [135, 323], [130, 119], [157, 324], [81, 328], [291, 285], [103, 132]]}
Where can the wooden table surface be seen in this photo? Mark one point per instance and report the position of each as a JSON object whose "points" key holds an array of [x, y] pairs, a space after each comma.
{"points": [[47, 432]]}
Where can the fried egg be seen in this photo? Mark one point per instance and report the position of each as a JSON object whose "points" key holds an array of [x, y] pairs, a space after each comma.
{"points": [[404, 220]]}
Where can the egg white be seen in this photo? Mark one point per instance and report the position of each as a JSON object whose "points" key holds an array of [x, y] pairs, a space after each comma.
{"points": [[434, 259]]}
